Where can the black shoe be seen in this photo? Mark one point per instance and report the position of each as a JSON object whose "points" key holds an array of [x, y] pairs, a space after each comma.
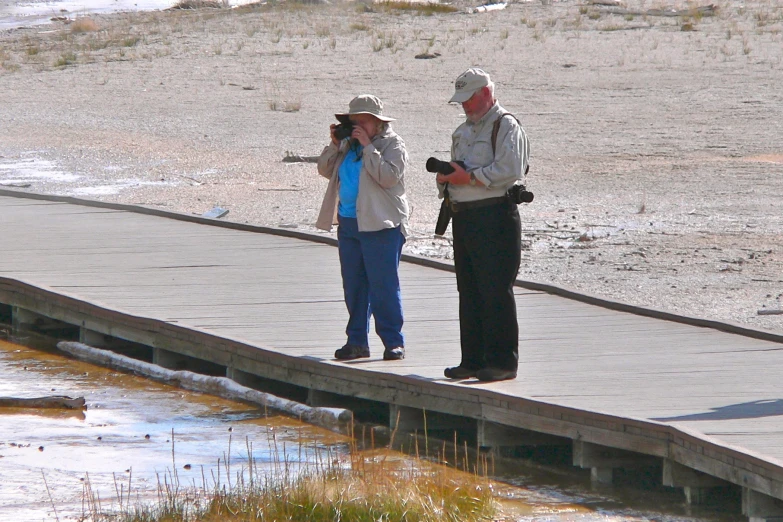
{"points": [[459, 372], [394, 354], [495, 374], [352, 351]]}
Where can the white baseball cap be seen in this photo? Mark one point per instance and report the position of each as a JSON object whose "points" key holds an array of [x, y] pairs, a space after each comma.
{"points": [[468, 83]]}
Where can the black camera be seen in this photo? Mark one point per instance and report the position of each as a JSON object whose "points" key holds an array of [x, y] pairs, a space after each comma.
{"points": [[441, 167], [344, 129], [519, 194]]}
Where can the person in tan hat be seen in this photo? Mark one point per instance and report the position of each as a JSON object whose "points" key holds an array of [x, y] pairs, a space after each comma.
{"points": [[494, 150], [366, 198]]}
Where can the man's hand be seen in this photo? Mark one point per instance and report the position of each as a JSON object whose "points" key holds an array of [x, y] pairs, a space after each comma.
{"points": [[459, 177], [331, 134]]}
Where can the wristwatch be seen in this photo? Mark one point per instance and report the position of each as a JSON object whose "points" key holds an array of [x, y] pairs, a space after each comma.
{"points": [[472, 179]]}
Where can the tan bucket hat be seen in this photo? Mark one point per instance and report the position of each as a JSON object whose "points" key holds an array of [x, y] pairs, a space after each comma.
{"points": [[365, 104], [468, 83]]}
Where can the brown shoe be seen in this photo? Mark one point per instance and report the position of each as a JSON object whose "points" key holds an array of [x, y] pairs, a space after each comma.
{"points": [[495, 374], [394, 354], [459, 372], [352, 351]]}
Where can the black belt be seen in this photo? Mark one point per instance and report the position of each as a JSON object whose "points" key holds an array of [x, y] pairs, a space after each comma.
{"points": [[456, 206]]}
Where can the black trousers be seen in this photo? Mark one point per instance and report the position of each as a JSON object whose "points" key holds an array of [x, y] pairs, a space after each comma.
{"points": [[487, 245]]}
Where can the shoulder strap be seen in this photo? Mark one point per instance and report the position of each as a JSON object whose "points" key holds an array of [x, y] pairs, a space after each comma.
{"points": [[496, 129]]}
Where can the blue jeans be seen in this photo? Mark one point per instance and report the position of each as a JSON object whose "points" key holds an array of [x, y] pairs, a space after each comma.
{"points": [[369, 263]]}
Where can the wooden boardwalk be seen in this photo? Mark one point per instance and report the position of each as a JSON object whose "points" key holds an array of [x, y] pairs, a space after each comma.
{"points": [[271, 306]]}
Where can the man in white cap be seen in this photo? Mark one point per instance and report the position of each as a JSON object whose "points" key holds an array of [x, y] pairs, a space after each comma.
{"points": [[485, 224]]}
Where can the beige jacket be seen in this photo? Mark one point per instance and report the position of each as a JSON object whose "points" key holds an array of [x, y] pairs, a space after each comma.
{"points": [[381, 202]]}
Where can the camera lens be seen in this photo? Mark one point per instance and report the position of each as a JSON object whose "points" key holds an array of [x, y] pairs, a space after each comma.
{"points": [[441, 167], [342, 131]]}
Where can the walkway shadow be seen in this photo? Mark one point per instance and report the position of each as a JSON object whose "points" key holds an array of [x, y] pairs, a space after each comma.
{"points": [[745, 410]]}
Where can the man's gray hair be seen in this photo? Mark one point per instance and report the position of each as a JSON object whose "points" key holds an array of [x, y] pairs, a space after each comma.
{"points": [[491, 87]]}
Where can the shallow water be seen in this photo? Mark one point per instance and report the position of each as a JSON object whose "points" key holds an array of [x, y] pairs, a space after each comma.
{"points": [[136, 432], [29, 13], [36, 174], [126, 434], [19, 14]]}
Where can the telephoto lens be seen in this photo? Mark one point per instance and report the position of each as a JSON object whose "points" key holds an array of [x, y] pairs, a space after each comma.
{"points": [[441, 167]]}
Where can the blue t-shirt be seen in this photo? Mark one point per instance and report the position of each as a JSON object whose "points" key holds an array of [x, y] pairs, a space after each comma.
{"points": [[349, 182]]}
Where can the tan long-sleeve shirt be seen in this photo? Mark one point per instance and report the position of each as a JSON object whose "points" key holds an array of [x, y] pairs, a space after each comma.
{"points": [[381, 202], [471, 143]]}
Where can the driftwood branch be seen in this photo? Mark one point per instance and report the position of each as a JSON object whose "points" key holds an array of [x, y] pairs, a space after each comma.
{"points": [[706, 10], [54, 401], [290, 157]]}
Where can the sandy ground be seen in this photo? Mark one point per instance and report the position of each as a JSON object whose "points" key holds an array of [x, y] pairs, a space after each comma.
{"points": [[657, 160]]}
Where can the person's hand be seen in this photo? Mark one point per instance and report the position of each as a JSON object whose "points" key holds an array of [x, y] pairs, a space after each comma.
{"points": [[331, 134], [459, 177], [360, 135]]}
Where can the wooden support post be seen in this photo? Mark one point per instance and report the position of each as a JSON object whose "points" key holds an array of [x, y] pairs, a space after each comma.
{"points": [[759, 507], [177, 361], [696, 485], [402, 418], [92, 338], [6, 313], [22, 319], [406, 419], [497, 436], [319, 399], [25, 320], [602, 460], [364, 410], [167, 359]]}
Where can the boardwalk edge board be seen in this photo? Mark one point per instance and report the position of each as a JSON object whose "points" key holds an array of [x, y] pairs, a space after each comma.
{"points": [[689, 448]]}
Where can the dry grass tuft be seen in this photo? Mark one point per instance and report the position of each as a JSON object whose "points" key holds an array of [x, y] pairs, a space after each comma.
{"points": [[362, 486], [65, 59], [427, 8], [201, 4], [84, 25]]}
